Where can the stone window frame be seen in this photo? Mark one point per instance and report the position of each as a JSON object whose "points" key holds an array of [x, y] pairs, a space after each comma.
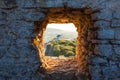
{"points": [[82, 19]]}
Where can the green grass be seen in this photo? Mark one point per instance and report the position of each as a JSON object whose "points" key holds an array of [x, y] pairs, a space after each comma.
{"points": [[61, 47]]}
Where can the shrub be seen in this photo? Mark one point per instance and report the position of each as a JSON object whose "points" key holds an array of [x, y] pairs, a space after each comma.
{"points": [[61, 47]]}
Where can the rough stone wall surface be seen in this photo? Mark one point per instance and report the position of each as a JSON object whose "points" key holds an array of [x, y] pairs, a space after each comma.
{"points": [[19, 59]]}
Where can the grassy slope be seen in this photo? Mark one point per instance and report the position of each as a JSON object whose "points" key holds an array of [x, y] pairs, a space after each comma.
{"points": [[61, 47]]}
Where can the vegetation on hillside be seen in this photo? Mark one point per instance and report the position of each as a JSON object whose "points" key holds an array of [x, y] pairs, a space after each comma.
{"points": [[61, 48]]}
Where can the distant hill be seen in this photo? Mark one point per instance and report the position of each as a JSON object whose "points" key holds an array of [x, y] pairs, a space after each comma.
{"points": [[51, 33]]}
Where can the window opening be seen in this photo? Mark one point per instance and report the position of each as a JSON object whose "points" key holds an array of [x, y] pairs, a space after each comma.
{"points": [[60, 40]]}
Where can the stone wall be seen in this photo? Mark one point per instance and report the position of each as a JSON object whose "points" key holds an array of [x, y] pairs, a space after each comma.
{"points": [[18, 57]]}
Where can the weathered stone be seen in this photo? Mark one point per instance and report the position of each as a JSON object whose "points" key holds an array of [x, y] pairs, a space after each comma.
{"points": [[115, 23], [2, 78], [19, 28], [7, 3], [117, 42], [102, 24], [4, 42], [26, 3], [34, 16], [116, 14], [23, 42], [3, 15], [19, 59], [36, 77], [6, 61], [24, 14], [111, 63], [3, 22], [16, 14], [98, 60], [117, 49], [115, 57], [2, 4], [3, 34], [106, 72], [105, 50], [84, 3], [3, 51], [16, 25], [111, 71], [114, 71], [113, 5], [116, 78], [117, 34], [95, 72], [13, 52], [105, 14], [51, 3], [106, 34], [26, 51]]}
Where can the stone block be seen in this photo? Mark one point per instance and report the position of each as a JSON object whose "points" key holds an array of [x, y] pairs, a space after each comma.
{"points": [[117, 49], [106, 34], [3, 15], [114, 5], [56, 3], [25, 51], [102, 24], [95, 72], [105, 50], [115, 23], [13, 52], [19, 70], [7, 61], [7, 3], [117, 42], [106, 72], [115, 57], [2, 78], [25, 14], [16, 14], [24, 34], [111, 72], [117, 34], [105, 14], [116, 78], [2, 4], [34, 16], [36, 77], [116, 14], [4, 42], [21, 29], [3, 51], [3, 22], [26, 3], [3, 34], [23, 42], [20, 24], [114, 71], [98, 60]]}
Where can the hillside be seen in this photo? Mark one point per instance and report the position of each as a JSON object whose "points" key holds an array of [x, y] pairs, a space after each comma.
{"points": [[61, 48], [51, 33]]}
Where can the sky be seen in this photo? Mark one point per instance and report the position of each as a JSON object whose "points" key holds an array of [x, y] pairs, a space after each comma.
{"points": [[66, 27]]}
